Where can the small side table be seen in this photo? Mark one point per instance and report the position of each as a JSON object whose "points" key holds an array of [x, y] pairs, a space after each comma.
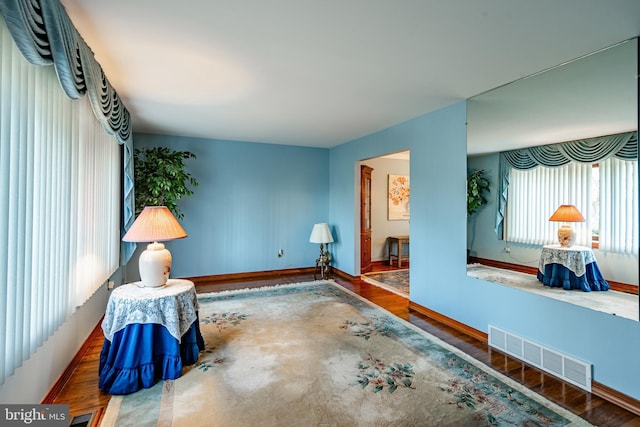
{"points": [[399, 241], [572, 267], [149, 335]]}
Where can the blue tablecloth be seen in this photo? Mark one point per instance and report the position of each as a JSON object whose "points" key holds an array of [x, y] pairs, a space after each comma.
{"points": [[149, 335], [142, 354], [559, 276], [570, 267]]}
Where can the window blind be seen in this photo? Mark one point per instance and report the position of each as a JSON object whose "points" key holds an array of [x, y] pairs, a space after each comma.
{"points": [[60, 191], [534, 195], [619, 206]]}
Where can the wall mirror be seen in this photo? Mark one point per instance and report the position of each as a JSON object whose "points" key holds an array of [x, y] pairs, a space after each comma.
{"points": [[592, 96]]}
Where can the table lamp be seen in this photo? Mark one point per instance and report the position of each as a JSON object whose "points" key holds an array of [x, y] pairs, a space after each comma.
{"points": [[567, 214], [154, 224], [321, 234]]}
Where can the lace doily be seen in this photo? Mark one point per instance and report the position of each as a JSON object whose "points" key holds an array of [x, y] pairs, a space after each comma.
{"points": [[174, 306]]}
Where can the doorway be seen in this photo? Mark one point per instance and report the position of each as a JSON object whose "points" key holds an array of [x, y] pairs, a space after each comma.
{"points": [[380, 215]]}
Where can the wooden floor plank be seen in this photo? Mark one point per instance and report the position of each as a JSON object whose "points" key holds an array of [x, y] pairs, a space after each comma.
{"points": [[81, 391]]}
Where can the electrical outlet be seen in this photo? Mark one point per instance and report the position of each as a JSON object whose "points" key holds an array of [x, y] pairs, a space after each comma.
{"points": [[507, 249], [111, 284], [280, 253]]}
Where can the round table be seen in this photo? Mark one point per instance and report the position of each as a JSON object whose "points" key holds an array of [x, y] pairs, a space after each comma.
{"points": [[150, 333]]}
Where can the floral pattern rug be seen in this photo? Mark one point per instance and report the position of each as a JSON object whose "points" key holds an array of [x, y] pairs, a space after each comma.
{"points": [[396, 281], [315, 354]]}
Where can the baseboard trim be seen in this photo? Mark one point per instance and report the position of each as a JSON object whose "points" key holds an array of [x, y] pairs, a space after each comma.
{"points": [[615, 397], [344, 275], [615, 286], [270, 274], [503, 265], [56, 389], [448, 321]]}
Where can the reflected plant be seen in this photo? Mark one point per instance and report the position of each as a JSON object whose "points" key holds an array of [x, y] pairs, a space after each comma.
{"points": [[477, 185]]}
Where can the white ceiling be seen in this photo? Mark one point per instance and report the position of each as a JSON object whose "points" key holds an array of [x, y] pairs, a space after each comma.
{"points": [[321, 73]]}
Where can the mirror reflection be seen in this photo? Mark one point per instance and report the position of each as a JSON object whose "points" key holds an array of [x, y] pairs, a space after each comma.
{"points": [[563, 137]]}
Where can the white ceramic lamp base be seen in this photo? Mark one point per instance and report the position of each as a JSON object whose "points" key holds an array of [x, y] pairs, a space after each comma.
{"points": [[566, 235], [154, 265]]}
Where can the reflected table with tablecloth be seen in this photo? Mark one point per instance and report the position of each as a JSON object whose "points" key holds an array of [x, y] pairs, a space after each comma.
{"points": [[572, 267], [150, 334]]}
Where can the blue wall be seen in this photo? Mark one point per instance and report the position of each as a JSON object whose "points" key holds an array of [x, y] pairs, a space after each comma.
{"points": [[252, 200]]}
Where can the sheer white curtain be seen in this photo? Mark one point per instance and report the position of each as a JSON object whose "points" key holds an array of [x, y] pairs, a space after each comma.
{"points": [[535, 194], [619, 206], [59, 205]]}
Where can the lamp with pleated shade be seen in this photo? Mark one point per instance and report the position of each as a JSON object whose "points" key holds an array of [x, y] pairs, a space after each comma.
{"points": [[566, 214], [321, 234], [155, 224]]}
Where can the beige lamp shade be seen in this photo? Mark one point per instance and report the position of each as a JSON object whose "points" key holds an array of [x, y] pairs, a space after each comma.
{"points": [[154, 224], [321, 233], [566, 213]]}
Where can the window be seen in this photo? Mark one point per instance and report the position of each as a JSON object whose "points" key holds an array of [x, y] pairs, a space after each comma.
{"points": [[535, 194], [618, 211], [594, 220], [606, 194], [60, 191]]}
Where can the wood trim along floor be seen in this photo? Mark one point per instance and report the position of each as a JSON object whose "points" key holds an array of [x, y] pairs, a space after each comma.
{"points": [[458, 326], [615, 397], [70, 369], [271, 274]]}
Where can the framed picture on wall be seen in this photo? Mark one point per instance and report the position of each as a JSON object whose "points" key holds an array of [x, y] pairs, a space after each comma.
{"points": [[398, 197]]}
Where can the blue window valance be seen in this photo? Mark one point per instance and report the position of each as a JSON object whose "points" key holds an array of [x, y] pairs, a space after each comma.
{"points": [[45, 35], [592, 150]]}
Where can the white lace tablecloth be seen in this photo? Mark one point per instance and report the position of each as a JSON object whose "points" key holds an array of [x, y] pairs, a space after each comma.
{"points": [[575, 258], [174, 306]]}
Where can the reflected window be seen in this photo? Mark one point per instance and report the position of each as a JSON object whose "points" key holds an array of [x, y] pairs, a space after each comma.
{"points": [[605, 193]]}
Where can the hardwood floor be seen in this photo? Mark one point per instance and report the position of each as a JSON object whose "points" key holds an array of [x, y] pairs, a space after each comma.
{"points": [[81, 390]]}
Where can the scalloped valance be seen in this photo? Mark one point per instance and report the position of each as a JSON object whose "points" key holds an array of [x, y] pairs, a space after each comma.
{"points": [[45, 35], [622, 145]]}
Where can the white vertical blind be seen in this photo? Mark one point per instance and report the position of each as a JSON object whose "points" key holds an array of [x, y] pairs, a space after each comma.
{"points": [[59, 205], [535, 194], [619, 206]]}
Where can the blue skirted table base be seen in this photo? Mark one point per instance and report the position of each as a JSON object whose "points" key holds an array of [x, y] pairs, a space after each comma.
{"points": [[142, 354], [558, 276]]}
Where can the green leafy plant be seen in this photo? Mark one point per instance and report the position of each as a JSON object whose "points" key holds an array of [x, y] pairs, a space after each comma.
{"points": [[477, 185], [161, 178]]}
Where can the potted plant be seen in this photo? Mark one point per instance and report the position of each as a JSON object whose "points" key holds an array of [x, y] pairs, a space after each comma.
{"points": [[161, 179], [477, 185]]}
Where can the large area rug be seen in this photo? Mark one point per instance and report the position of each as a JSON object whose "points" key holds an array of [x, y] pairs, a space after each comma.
{"points": [[315, 354], [396, 281], [612, 302]]}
